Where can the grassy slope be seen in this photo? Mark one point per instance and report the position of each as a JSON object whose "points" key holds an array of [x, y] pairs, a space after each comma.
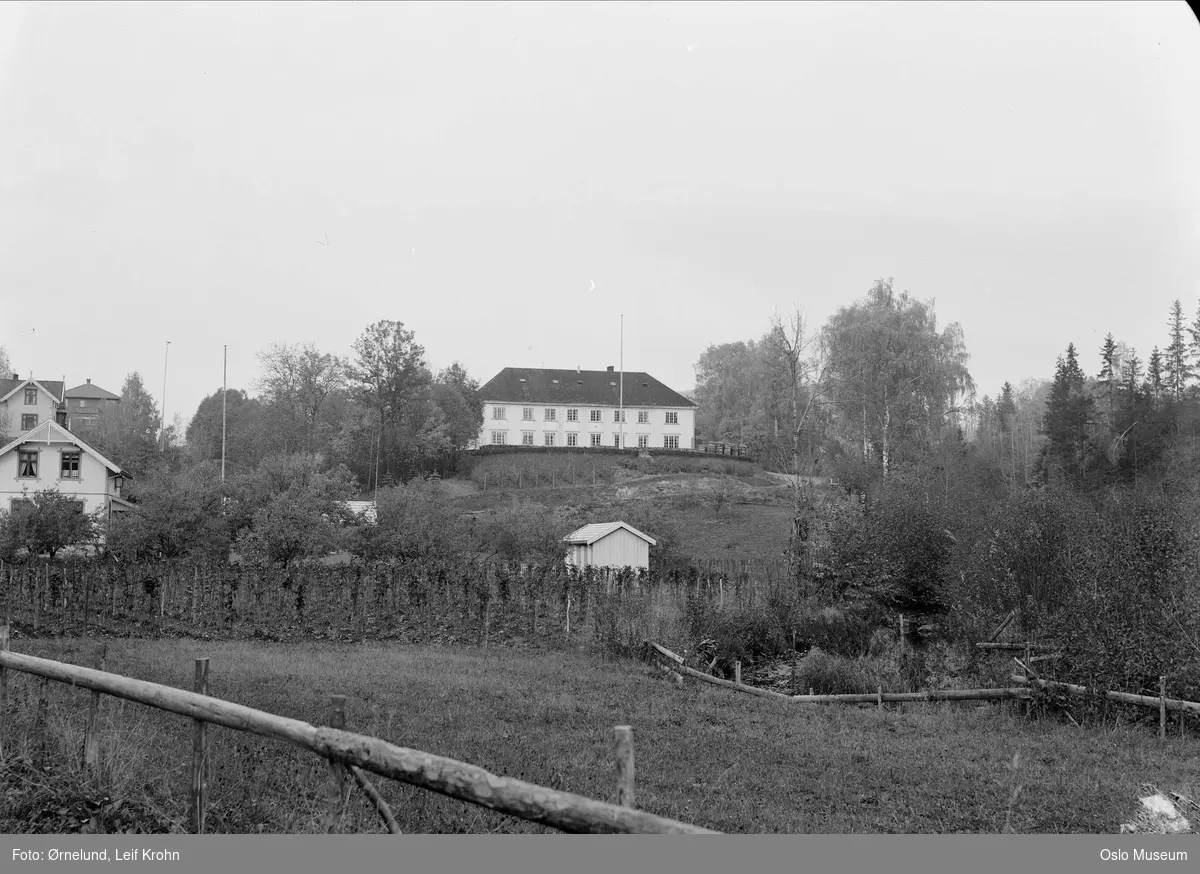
{"points": [[705, 755]]}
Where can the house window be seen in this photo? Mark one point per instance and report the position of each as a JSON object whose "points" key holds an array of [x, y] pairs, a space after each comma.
{"points": [[595, 439], [572, 415], [551, 414], [21, 504], [31, 397], [616, 441], [527, 414], [643, 417], [499, 438], [595, 415], [671, 441], [548, 436], [28, 421], [27, 463], [70, 465], [77, 506], [526, 438], [643, 441], [672, 418], [499, 412], [618, 416], [572, 438]]}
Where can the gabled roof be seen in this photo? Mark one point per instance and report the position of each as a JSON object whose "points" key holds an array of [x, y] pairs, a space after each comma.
{"points": [[589, 534], [52, 432], [540, 386], [89, 391], [52, 387]]}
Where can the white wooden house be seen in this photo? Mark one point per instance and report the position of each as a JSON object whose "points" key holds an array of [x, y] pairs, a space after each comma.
{"points": [[609, 545], [539, 407], [51, 457]]}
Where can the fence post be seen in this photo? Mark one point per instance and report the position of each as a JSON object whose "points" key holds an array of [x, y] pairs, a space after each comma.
{"points": [[199, 795], [624, 758], [879, 697], [336, 791], [91, 740], [39, 724], [3, 688], [737, 673], [1162, 708]]}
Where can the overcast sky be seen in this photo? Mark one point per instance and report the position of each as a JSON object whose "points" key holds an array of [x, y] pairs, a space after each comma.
{"points": [[172, 171]]}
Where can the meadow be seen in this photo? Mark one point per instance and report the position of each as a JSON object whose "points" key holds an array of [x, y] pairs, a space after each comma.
{"points": [[704, 755]]}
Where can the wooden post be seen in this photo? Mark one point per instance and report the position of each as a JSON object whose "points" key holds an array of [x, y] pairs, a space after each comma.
{"points": [[337, 789], [91, 740], [879, 697], [199, 795], [1162, 708], [39, 725], [623, 749], [568, 615], [737, 673], [3, 688]]}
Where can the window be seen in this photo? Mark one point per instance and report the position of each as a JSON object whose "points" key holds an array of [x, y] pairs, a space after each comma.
{"points": [[21, 504], [672, 418], [28, 421], [616, 441], [31, 397], [499, 438], [70, 465], [527, 414], [595, 415], [572, 438], [77, 506], [27, 463], [499, 412], [671, 441], [643, 417], [526, 438], [572, 415], [548, 436], [551, 414], [595, 439], [618, 416], [643, 441]]}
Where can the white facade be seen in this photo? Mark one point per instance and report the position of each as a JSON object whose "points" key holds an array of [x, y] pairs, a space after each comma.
{"points": [[587, 425], [51, 457], [25, 407]]}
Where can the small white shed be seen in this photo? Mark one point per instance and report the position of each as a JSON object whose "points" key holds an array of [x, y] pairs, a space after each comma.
{"points": [[609, 544]]}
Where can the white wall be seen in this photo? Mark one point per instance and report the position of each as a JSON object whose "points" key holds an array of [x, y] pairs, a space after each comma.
{"points": [[618, 549], [92, 486], [655, 430], [15, 408]]}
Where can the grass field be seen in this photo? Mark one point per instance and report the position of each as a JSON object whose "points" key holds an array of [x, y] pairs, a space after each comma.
{"points": [[704, 755]]}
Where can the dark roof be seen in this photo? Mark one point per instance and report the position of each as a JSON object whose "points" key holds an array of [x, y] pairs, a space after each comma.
{"points": [[87, 390], [579, 387], [54, 386]]}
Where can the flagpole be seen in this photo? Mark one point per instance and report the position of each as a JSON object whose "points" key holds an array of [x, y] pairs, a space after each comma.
{"points": [[224, 394], [621, 399]]}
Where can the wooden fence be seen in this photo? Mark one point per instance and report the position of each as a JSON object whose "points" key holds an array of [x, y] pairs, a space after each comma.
{"points": [[676, 666], [355, 753]]}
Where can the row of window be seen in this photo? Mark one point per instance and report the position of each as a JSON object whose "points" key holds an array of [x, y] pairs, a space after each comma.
{"points": [[27, 464], [500, 438], [551, 415]]}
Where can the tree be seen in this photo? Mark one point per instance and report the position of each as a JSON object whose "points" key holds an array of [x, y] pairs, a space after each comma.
{"points": [[48, 521], [1193, 330], [1108, 372], [1068, 412], [296, 383], [894, 375], [456, 394], [1154, 375], [130, 435], [244, 430], [1177, 365], [176, 514]]}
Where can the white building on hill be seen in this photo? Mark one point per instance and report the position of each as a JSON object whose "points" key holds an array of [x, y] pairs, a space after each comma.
{"points": [[538, 407]]}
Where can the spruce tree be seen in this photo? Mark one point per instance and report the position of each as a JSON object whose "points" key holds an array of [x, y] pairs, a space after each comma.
{"points": [[1108, 373], [1178, 365], [1154, 375]]}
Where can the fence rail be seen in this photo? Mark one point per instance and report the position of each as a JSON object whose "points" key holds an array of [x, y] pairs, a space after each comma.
{"points": [[565, 811]]}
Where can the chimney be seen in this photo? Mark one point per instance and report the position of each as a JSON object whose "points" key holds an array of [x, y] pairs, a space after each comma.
{"points": [[89, 380], [16, 376], [610, 370]]}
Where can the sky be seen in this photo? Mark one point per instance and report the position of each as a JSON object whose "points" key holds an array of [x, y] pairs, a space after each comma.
{"points": [[511, 179]]}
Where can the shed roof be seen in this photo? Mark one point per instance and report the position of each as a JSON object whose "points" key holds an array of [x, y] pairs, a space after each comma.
{"points": [[541, 386], [589, 534]]}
